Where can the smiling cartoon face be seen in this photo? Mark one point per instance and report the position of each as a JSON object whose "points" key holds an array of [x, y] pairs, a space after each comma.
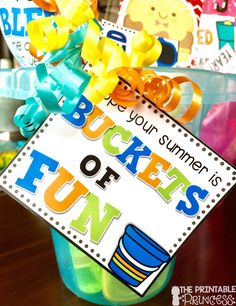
{"points": [[173, 19]]}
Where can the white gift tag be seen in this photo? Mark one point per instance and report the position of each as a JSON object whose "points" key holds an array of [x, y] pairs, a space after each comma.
{"points": [[127, 186]]}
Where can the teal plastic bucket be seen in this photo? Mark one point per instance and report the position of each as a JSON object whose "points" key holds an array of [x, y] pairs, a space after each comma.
{"points": [[79, 273], [91, 282]]}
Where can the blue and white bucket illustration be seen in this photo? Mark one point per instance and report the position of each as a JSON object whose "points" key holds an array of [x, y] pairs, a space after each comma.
{"points": [[137, 256], [225, 31]]}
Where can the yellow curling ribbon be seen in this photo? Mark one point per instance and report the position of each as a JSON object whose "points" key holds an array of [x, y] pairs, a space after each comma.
{"points": [[90, 50], [48, 34], [108, 61], [146, 49], [76, 12], [51, 33], [106, 57]]}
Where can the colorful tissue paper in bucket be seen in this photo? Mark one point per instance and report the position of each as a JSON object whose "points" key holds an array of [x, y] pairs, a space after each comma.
{"points": [[218, 130], [88, 274]]}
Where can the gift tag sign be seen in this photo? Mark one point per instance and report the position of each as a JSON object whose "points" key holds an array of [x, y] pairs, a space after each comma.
{"points": [[126, 185], [173, 19]]}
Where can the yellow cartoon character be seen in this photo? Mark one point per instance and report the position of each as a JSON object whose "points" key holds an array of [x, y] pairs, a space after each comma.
{"points": [[173, 19]]}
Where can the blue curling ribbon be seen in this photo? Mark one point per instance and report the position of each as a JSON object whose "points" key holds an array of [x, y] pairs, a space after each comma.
{"points": [[66, 81]]}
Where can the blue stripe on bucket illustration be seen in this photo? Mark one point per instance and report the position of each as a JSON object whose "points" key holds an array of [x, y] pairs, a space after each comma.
{"points": [[137, 256]]}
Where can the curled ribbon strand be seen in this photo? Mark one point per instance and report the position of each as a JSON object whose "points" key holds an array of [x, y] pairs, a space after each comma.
{"points": [[195, 103], [47, 5], [76, 12], [163, 91], [105, 56], [49, 34], [51, 5], [66, 41]]}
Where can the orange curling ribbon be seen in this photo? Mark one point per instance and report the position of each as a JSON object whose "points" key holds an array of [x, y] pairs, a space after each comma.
{"points": [[51, 5], [163, 91], [121, 95], [94, 7], [47, 5], [132, 76], [195, 104], [107, 59], [35, 53]]}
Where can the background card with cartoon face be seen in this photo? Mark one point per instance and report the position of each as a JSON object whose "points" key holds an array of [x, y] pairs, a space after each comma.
{"points": [[177, 20]]}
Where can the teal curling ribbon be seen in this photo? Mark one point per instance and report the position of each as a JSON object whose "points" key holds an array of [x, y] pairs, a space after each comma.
{"points": [[75, 40], [68, 80], [60, 88], [29, 117]]}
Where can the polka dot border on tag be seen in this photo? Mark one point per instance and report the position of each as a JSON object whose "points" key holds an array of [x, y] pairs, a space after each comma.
{"points": [[69, 233], [151, 107], [199, 145], [105, 22]]}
